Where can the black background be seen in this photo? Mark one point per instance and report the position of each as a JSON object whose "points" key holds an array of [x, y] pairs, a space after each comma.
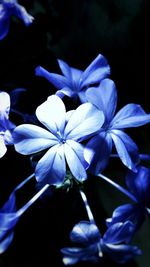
{"points": [[76, 32]]}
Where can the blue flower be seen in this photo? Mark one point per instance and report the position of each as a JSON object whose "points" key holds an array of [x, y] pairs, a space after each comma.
{"points": [[62, 139], [92, 246], [10, 8], [87, 236], [6, 126], [99, 147], [139, 185], [74, 82]]}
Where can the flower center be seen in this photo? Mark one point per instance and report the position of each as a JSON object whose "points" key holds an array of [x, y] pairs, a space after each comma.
{"points": [[61, 138]]}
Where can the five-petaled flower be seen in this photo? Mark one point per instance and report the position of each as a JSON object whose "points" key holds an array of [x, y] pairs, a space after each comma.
{"points": [[99, 148], [91, 246], [62, 139], [6, 126], [10, 8], [74, 82]]}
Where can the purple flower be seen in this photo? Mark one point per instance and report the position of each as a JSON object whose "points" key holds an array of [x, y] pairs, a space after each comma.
{"points": [[61, 140], [6, 126], [10, 8], [139, 185], [75, 82], [99, 148], [91, 246]]}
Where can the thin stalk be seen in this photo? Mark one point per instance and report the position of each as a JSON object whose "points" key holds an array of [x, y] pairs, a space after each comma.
{"points": [[142, 156], [31, 201], [88, 209], [24, 182], [120, 188]]}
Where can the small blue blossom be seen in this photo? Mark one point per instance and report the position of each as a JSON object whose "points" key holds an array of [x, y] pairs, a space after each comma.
{"points": [[62, 139], [99, 148], [92, 246], [6, 126], [139, 185], [74, 82], [10, 8]]}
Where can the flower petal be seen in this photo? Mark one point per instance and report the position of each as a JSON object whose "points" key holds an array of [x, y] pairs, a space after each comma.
{"points": [[126, 149], [65, 68], [75, 159], [134, 213], [85, 233], [3, 147], [51, 169], [96, 71], [59, 81], [97, 152], [79, 150], [52, 114], [4, 244], [104, 98], [4, 23], [76, 76], [65, 91], [8, 219], [121, 253], [85, 120], [131, 115], [21, 13], [29, 139], [119, 233], [4, 105], [139, 184]]}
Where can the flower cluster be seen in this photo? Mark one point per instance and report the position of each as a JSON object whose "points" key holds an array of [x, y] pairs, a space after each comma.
{"points": [[79, 142]]}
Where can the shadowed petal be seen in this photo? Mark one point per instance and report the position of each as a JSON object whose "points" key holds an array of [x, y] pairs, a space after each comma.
{"points": [[75, 160], [76, 254], [4, 105], [52, 167], [121, 253], [104, 98], [29, 139], [3, 147], [126, 149], [76, 76], [85, 120], [4, 244], [8, 219], [97, 152], [65, 91], [131, 115], [96, 71], [79, 150], [59, 81], [85, 233], [21, 13], [134, 213], [65, 68], [52, 114], [139, 184], [119, 233], [4, 24]]}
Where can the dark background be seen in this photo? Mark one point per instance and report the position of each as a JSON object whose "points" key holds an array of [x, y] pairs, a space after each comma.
{"points": [[76, 32]]}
